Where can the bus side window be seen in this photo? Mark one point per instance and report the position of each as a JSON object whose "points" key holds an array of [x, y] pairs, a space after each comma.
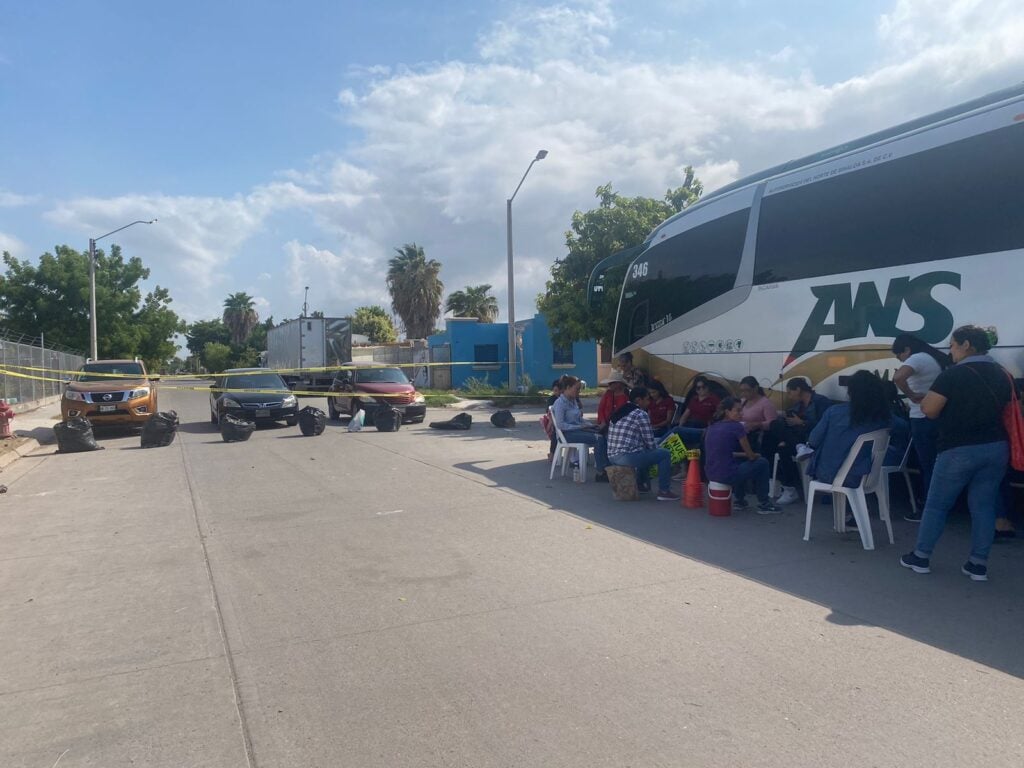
{"points": [[640, 324]]}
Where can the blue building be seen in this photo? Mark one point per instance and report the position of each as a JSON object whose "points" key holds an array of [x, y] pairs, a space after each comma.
{"points": [[480, 350]]}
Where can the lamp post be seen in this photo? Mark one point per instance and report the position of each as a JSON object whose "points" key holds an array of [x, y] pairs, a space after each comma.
{"points": [[93, 339], [512, 377]]}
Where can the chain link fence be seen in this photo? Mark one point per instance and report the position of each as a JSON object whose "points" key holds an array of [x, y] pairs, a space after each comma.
{"points": [[19, 350]]}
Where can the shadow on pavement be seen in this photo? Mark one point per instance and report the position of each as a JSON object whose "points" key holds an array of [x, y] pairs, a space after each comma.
{"points": [[980, 621]]}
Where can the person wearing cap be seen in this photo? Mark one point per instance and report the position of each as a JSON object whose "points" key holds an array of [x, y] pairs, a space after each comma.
{"points": [[616, 396]]}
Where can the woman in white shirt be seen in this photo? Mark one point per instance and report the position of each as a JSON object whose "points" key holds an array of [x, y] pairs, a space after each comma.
{"points": [[922, 364]]}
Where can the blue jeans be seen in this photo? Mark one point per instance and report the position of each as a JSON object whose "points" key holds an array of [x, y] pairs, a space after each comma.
{"points": [[923, 431], [643, 461], [979, 469], [590, 437], [755, 472]]}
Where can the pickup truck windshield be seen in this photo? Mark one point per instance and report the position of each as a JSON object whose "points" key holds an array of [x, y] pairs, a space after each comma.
{"points": [[123, 371]]}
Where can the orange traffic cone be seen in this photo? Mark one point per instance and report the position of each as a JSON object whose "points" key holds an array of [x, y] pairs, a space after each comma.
{"points": [[693, 490]]}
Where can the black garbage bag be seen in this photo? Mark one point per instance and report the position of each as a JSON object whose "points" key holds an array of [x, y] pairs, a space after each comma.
{"points": [[460, 421], [387, 419], [234, 429], [75, 436], [160, 429], [503, 419], [312, 421]]}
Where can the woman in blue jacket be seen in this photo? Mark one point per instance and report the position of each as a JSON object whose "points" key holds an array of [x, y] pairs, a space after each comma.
{"points": [[841, 425]]}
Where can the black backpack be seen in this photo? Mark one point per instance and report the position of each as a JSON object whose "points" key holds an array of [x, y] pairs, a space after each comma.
{"points": [[160, 429], [312, 421], [387, 419], [503, 419]]}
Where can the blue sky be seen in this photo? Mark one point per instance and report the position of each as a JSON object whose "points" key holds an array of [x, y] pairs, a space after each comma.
{"points": [[290, 144]]}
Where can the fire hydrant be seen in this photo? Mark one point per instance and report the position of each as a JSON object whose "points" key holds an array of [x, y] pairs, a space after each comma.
{"points": [[6, 414]]}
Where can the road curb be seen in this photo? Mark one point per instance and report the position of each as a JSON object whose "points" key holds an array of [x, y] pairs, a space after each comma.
{"points": [[30, 445]]}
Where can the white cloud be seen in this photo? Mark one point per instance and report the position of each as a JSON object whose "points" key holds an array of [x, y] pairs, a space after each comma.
{"points": [[11, 245], [14, 200]]}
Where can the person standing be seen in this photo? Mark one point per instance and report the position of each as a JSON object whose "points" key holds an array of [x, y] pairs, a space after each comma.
{"points": [[921, 365], [631, 443], [729, 459], [967, 402]]}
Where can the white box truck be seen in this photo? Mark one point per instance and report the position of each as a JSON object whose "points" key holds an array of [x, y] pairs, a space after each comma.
{"points": [[309, 342]]}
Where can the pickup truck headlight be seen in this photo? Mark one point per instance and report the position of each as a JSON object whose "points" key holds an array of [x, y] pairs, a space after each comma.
{"points": [[70, 394], [229, 403], [419, 399], [289, 401], [135, 394]]}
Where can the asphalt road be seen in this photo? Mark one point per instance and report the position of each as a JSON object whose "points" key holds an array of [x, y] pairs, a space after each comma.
{"points": [[432, 599]]}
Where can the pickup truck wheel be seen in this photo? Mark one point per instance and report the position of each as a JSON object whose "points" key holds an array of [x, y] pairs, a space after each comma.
{"points": [[331, 410]]}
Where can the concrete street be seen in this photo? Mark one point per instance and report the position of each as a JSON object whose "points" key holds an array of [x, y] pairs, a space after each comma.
{"points": [[428, 598]]}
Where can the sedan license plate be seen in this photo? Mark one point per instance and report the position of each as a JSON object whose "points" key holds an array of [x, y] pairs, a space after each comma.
{"points": [[262, 413], [107, 408]]}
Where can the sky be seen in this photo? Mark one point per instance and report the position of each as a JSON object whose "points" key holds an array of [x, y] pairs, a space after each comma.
{"points": [[285, 145]]}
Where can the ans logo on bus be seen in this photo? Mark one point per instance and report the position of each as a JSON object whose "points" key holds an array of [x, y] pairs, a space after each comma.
{"points": [[855, 316]]}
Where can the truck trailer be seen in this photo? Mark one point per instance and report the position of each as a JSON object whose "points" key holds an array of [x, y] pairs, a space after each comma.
{"points": [[296, 346]]}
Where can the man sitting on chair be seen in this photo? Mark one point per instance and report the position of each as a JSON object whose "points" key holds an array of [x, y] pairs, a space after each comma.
{"points": [[631, 443]]}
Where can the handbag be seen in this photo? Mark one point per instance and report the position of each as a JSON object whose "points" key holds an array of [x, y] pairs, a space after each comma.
{"points": [[1013, 421]]}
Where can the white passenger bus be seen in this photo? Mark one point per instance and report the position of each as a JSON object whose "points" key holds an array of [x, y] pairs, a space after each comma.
{"points": [[811, 268]]}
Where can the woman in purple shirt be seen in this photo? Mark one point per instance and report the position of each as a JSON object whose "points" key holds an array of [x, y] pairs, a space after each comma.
{"points": [[729, 459]]}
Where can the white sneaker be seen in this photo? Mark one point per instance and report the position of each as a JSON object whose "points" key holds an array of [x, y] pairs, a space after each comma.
{"points": [[789, 496]]}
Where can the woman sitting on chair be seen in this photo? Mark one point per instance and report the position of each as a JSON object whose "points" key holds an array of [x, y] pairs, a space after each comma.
{"points": [[568, 413], [842, 424]]}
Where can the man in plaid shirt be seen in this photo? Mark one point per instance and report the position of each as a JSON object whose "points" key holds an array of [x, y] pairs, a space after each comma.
{"points": [[631, 443]]}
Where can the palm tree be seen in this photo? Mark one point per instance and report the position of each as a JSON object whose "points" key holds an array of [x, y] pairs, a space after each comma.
{"points": [[475, 301], [415, 290], [240, 316]]}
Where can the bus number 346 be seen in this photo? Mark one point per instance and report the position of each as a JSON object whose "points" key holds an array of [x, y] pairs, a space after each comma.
{"points": [[640, 270]]}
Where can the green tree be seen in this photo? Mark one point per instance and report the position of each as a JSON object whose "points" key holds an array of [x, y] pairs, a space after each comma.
{"points": [[616, 224], [52, 298], [240, 316], [415, 290], [202, 332], [474, 301], [375, 323], [216, 357]]}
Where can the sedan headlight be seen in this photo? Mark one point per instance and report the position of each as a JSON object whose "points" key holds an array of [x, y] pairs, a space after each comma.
{"points": [[229, 403], [70, 394], [289, 401], [135, 394]]}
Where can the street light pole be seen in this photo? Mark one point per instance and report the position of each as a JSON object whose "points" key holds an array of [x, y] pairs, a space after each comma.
{"points": [[93, 338], [512, 377]]}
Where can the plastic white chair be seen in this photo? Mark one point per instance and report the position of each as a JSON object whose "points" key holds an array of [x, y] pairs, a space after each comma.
{"points": [[564, 450], [873, 482], [904, 470]]}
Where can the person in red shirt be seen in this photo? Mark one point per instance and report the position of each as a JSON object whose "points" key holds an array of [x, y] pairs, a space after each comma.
{"points": [[701, 404], [661, 409], [614, 398]]}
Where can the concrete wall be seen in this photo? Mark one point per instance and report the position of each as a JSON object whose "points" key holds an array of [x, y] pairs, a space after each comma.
{"points": [[464, 335]]}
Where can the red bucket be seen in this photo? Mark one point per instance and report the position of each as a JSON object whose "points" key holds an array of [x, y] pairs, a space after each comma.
{"points": [[719, 499]]}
